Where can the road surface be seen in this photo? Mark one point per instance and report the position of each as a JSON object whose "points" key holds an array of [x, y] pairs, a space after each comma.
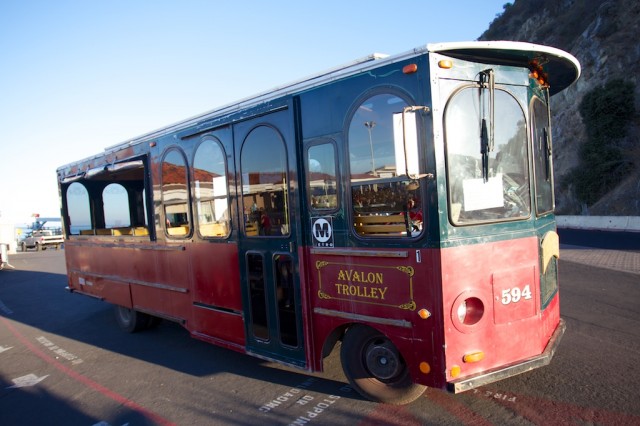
{"points": [[64, 361]]}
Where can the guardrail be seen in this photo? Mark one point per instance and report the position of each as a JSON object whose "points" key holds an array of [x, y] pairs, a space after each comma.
{"points": [[603, 223]]}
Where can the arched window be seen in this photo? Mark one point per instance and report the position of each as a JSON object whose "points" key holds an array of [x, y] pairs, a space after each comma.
{"points": [[210, 189], [175, 196], [115, 202], [488, 186], [385, 201], [79, 208], [263, 162]]}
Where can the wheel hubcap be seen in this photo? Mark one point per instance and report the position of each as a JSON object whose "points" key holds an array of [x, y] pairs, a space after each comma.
{"points": [[125, 315], [382, 360]]}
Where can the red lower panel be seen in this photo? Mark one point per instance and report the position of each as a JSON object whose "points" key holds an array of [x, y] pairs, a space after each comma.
{"points": [[500, 283], [221, 325]]}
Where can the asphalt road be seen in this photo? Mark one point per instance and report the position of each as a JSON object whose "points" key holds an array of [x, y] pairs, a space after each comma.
{"points": [[63, 361]]}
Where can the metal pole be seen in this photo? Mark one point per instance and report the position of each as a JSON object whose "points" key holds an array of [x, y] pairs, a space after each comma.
{"points": [[370, 125]]}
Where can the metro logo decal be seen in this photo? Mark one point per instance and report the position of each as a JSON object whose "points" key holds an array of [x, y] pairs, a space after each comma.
{"points": [[322, 231], [366, 284]]}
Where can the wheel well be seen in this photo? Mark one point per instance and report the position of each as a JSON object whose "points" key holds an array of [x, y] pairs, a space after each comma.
{"points": [[338, 334], [333, 338]]}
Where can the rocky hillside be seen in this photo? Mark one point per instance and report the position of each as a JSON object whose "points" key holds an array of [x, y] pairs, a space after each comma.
{"points": [[605, 37]]}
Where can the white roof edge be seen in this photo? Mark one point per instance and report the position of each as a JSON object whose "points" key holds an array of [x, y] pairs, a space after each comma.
{"points": [[507, 45]]}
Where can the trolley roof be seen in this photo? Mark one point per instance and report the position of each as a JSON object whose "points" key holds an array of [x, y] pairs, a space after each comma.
{"points": [[562, 67]]}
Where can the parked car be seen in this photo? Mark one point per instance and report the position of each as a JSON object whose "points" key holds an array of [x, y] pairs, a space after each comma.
{"points": [[41, 240]]}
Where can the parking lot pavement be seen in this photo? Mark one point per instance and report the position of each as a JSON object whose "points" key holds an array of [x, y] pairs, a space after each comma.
{"points": [[619, 260]]}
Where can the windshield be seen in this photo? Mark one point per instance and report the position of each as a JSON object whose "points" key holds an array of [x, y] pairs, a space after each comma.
{"points": [[487, 182]]}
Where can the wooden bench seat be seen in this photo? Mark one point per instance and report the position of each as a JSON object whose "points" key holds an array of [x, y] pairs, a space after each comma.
{"points": [[395, 224], [178, 230], [118, 232]]}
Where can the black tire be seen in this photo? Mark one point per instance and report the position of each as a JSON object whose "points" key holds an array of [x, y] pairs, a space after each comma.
{"points": [[131, 320], [38, 247], [375, 368], [154, 322], [24, 246]]}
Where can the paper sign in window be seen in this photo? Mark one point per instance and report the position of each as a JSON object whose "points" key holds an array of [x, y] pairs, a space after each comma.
{"points": [[479, 195]]}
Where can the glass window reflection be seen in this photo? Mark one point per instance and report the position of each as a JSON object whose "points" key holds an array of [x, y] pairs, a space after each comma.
{"points": [[265, 200], [505, 192], [210, 189]]}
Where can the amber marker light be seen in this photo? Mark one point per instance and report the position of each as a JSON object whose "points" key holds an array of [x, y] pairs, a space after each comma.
{"points": [[446, 64], [537, 73], [455, 371], [473, 357], [424, 314], [425, 368], [410, 69]]}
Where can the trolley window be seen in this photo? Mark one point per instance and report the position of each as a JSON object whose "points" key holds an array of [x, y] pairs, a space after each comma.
{"points": [[385, 201], [108, 200], [542, 158], [263, 161], [175, 197], [78, 207], [321, 177], [487, 182], [210, 189], [116, 206]]}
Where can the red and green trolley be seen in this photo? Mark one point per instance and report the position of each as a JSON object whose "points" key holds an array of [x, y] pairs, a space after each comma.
{"points": [[401, 205]]}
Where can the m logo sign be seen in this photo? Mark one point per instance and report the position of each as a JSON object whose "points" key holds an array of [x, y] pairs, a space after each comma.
{"points": [[322, 231]]}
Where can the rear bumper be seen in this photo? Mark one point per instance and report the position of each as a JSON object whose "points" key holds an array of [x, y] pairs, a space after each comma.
{"points": [[501, 373]]}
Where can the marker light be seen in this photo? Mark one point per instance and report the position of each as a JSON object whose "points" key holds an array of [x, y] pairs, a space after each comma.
{"points": [[455, 371], [410, 69], [537, 73], [473, 357], [446, 64], [425, 368], [424, 314]]}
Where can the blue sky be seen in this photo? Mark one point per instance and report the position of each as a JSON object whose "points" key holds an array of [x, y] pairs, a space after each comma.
{"points": [[79, 76]]}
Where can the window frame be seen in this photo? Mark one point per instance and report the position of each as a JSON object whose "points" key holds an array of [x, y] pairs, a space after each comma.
{"points": [[187, 202], [287, 188], [196, 199], [72, 213], [409, 234], [315, 143], [526, 144], [549, 157], [104, 206]]}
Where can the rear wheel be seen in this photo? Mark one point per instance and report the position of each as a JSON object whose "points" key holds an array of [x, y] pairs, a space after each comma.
{"points": [[24, 246], [375, 368], [131, 320]]}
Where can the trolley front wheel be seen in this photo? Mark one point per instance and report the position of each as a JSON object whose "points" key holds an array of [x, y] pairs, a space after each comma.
{"points": [[375, 368]]}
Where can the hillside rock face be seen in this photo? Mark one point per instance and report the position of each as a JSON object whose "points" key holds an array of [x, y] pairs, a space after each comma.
{"points": [[604, 35]]}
